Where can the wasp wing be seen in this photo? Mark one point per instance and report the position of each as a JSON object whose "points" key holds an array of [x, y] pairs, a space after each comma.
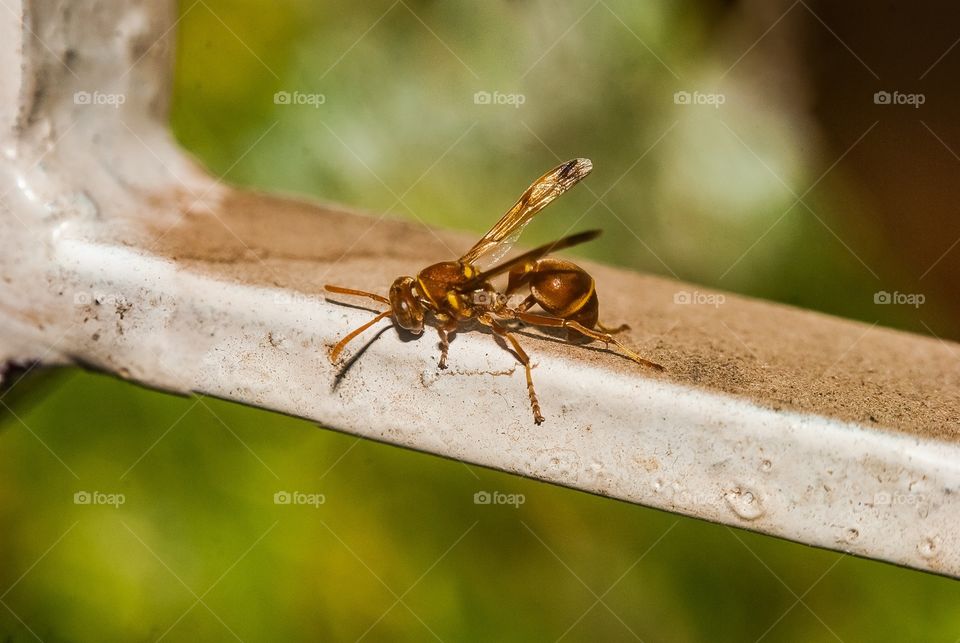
{"points": [[548, 187], [529, 256]]}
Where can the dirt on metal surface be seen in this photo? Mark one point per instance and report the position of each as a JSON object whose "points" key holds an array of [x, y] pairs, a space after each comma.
{"points": [[779, 356]]}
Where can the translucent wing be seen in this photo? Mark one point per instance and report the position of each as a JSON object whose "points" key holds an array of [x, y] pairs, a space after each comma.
{"points": [[548, 187], [531, 255]]}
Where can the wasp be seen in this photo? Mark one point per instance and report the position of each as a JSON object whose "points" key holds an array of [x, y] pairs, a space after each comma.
{"points": [[452, 294]]}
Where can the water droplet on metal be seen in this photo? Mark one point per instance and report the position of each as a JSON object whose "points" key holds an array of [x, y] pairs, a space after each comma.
{"points": [[745, 503], [929, 547]]}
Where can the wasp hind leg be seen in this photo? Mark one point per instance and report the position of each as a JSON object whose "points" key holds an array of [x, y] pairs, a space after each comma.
{"points": [[605, 337]]}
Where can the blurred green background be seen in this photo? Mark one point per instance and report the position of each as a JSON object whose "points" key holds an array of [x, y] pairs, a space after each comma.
{"points": [[398, 550]]}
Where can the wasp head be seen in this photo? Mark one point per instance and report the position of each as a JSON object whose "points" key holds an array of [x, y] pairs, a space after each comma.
{"points": [[407, 309]]}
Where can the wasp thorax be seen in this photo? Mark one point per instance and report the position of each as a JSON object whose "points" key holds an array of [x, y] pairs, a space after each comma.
{"points": [[407, 309]]}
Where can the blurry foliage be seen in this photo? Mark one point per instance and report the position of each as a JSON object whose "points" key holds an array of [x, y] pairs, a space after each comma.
{"points": [[199, 475]]}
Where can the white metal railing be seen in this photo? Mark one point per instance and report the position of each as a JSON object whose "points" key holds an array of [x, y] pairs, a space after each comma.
{"points": [[119, 252]]}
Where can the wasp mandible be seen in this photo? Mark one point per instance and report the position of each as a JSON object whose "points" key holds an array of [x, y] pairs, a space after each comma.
{"points": [[450, 294]]}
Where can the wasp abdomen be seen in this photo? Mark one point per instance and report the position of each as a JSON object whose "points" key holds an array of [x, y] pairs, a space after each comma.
{"points": [[561, 288]]}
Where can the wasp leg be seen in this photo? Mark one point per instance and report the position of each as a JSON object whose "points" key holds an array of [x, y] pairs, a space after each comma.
{"points": [[524, 359], [445, 327], [444, 347], [557, 322], [526, 304]]}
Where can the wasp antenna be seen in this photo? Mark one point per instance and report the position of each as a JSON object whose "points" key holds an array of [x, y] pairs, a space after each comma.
{"points": [[359, 293], [335, 352]]}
